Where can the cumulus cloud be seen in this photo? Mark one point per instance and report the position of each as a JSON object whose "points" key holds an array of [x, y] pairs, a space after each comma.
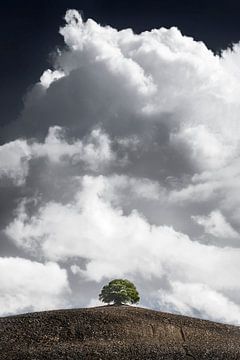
{"points": [[93, 152], [195, 298], [216, 225], [14, 158], [126, 160], [49, 76], [116, 245], [29, 285]]}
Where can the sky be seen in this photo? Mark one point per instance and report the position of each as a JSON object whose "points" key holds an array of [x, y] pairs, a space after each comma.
{"points": [[119, 155]]}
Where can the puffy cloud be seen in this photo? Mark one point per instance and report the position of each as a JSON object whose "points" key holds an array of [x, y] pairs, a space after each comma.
{"points": [[215, 146], [95, 149], [14, 158], [49, 76], [216, 225], [195, 298], [94, 152], [160, 92], [116, 245], [29, 285], [57, 229], [123, 148]]}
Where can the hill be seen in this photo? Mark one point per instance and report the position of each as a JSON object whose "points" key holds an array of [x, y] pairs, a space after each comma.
{"points": [[115, 332]]}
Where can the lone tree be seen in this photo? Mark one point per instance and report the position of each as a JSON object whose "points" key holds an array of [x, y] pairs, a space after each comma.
{"points": [[119, 292]]}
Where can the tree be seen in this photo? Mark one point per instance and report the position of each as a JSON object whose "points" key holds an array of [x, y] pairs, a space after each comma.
{"points": [[118, 292]]}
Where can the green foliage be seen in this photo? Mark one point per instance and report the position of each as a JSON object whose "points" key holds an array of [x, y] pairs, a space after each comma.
{"points": [[119, 291]]}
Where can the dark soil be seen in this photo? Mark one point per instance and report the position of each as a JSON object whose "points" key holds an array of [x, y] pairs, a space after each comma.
{"points": [[115, 333]]}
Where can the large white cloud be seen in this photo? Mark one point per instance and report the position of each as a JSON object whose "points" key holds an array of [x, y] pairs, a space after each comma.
{"points": [[126, 160], [116, 245], [14, 157], [190, 297], [29, 285]]}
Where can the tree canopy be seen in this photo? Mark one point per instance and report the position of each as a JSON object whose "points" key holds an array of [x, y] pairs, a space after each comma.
{"points": [[118, 292]]}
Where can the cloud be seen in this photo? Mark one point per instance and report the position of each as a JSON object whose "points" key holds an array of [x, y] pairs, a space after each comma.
{"points": [[205, 156], [14, 158], [116, 245], [160, 88], [29, 285], [216, 225], [125, 162], [49, 76], [94, 152], [195, 298]]}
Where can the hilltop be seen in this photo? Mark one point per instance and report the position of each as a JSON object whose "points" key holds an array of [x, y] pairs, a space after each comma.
{"points": [[115, 333]]}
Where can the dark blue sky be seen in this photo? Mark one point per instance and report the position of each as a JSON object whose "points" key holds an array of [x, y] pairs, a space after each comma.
{"points": [[29, 32]]}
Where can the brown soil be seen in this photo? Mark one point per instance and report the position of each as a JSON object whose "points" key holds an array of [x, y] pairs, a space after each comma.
{"points": [[115, 333]]}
